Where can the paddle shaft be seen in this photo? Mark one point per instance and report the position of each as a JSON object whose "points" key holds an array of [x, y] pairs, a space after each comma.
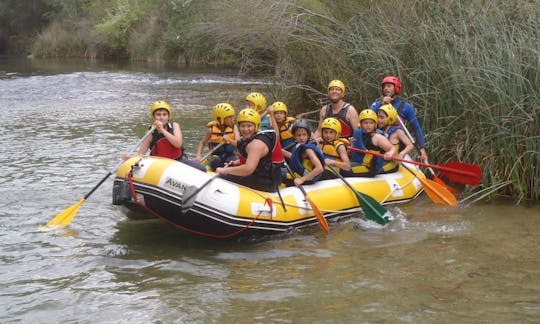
{"points": [[200, 188], [436, 192], [294, 176], [318, 214], [207, 155], [434, 166], [371, 207], [413, 140], [118, 165], [66, 216]]}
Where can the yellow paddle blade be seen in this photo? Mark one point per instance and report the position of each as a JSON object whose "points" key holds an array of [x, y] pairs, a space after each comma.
{"points": [[65, 216]]}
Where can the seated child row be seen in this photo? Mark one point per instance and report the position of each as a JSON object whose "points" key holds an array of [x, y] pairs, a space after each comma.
{"points": [[311, 159]]}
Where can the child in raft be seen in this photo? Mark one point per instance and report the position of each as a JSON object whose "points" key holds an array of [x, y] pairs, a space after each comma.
{"points": [[387, 118], [257, 102], [368, 138], [334, 148], [306, 158], [221, 136], [166, 139], [281, 122]]}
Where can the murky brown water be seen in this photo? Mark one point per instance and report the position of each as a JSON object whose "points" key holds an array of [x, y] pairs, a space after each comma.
{"points": [[65, 126]]}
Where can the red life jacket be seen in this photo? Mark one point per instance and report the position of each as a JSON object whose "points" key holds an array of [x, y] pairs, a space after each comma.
{"points": [[341, 116], [160, 146]]}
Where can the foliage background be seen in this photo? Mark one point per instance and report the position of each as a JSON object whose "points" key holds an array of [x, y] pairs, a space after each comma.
{"points": [[471, 68]]}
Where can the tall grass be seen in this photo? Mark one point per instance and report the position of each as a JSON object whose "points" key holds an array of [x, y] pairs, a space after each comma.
{"points": [[471, 68]]}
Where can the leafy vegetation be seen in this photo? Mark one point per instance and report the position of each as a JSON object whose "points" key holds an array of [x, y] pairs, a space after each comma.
{"points": [[472, 69]]}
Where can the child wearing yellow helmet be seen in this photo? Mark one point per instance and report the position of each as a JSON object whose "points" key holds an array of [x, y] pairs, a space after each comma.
{"points": [[368, 138], [281, 123], [333, 147], [166, 140], [387, 117], [221, 137]]}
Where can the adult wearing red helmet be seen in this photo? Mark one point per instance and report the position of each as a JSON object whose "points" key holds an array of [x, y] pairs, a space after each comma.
{"points": [[337, 108], [391, 89]]}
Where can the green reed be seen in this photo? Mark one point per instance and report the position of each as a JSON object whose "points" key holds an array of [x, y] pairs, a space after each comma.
{"points": [[472, 70]]}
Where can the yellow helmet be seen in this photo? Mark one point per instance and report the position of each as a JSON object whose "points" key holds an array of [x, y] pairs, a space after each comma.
{"points": [[160, 104], [258, 100], [249, 115], [333, 124], [390, 112], [222, 111], [280, 106], [367, 114], [339, 84]]}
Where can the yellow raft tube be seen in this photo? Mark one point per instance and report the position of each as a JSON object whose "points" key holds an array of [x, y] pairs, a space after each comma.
{"points": [[202, 203]]}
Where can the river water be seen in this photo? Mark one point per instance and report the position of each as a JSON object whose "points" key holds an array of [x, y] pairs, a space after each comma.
{"points": [[65, 125]]}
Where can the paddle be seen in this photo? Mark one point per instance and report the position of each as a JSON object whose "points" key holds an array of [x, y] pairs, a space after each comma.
{"points": [[455, 171], [371, 207], [320, 217], [435, 177], [65, 217], [188, 201], [438, 193], [207, 155]]}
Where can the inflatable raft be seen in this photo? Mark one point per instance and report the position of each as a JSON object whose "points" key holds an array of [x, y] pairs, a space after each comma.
{"points": [[202, 203]]}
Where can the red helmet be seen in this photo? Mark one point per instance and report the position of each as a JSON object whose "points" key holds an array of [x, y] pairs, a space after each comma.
{"points": [[393, 80]]}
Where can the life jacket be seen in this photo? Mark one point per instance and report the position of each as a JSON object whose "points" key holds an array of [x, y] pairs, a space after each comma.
{"points": [[301, 165], [160, 146], [346, 127], [363, 162], [285, 134], [330, 150], [391, 166], [218, 133], [272, 161], [369, 162], [217, 137], [388, 133]]}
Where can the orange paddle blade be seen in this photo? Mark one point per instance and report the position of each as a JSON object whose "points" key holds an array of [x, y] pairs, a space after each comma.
{"points": [[438, 194], [320, 217], [438, 180]]}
